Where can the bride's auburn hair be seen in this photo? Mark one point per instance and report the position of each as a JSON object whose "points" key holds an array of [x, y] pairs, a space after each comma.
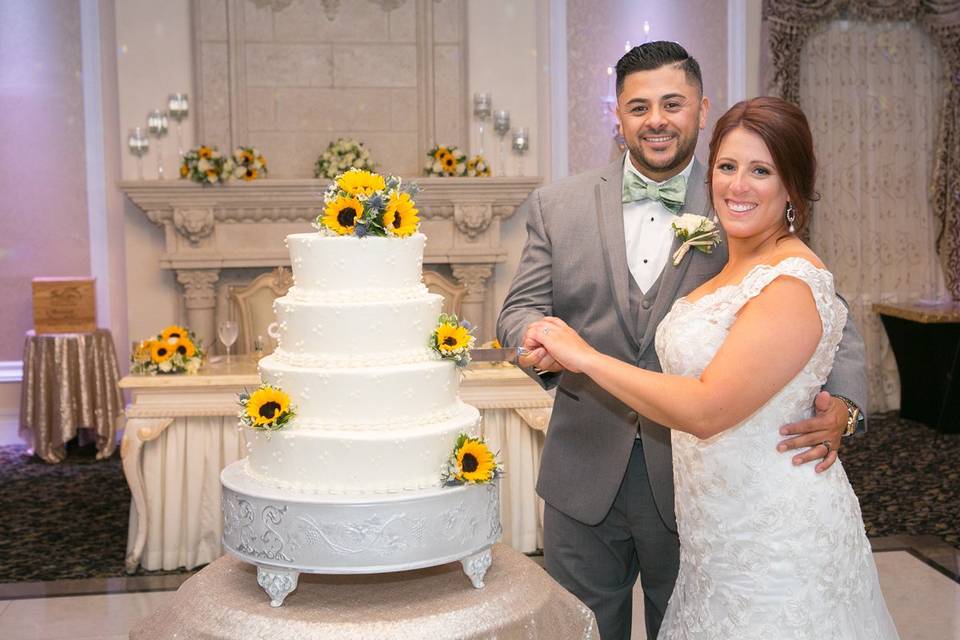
{"points": [[783, 127]]}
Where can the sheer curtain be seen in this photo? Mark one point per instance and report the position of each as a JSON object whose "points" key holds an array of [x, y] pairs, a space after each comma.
{"points": [[871, 92]]}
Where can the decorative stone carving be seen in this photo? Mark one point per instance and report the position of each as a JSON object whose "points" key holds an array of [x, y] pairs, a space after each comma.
{"points": [[472, 219], [198, 287], [193, 223], [473, 277]]}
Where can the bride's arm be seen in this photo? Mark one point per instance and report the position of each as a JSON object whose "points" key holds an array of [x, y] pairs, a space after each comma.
{"points": [[774, 336]]}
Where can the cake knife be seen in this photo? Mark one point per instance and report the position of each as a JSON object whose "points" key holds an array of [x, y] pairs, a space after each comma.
{"points": [[511, 354]]}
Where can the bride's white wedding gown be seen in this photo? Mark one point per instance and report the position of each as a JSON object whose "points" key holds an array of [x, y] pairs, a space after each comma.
{"points": [[768, 550]]}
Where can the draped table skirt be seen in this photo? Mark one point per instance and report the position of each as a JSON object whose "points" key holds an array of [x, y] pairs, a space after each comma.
{"points": [[519, 601], [70, 383]]}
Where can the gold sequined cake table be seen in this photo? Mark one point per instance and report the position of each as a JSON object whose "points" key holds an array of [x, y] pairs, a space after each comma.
{"points": [[519, 601]]}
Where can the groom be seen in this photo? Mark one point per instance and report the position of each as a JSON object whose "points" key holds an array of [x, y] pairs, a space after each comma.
{"points": [[599, 256]]}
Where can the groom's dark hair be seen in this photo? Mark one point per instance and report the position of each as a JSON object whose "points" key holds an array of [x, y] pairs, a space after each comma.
{"points": [[653, 55]]}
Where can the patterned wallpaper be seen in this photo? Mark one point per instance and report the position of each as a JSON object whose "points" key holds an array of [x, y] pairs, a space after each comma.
{"points": [[597, 31]]}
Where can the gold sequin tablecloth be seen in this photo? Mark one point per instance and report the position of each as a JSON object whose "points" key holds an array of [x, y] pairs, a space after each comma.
{"points": [[519, 601], [70, 382]]}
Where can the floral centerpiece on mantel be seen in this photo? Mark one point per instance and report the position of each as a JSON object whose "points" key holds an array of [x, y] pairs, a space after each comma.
{"points": [[250, 164], [206, 165], [342, 155], [361, 203], [174, 350]]}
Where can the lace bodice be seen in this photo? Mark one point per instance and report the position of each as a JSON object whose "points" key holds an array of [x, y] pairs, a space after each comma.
{"points": [[767, 549]]}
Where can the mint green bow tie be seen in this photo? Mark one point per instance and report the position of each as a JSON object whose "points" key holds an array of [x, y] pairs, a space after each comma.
{"points": [[671, 193]]}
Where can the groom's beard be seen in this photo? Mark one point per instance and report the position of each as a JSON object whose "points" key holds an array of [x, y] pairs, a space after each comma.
{"points": [[685, 147]]}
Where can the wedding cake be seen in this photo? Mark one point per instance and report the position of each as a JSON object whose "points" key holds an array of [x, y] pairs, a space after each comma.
{"points": [[359, 446]]}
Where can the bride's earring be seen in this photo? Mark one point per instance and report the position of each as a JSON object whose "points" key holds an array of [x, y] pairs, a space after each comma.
{"points": [[791, 216]]}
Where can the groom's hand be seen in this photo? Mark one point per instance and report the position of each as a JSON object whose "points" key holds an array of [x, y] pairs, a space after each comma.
{"points": [[826, 425], [536, 356]]}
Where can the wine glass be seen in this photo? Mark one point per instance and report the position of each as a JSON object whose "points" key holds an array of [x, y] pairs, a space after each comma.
{"points": [[521, 143], [227, 331], [139, 144], [178, 106], [157, 127], [501, 125]]}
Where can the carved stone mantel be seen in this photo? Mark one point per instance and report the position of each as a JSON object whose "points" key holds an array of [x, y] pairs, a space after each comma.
{"points": [[242, 225]]}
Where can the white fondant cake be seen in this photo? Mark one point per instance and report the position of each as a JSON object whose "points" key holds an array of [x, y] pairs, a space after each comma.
{"points": [[376, 409]]}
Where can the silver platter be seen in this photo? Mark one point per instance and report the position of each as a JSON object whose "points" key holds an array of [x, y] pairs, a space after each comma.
{"points": [[285, 533]]}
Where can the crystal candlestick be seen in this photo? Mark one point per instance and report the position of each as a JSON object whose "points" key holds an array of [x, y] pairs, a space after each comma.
{"points": [[138, 143], [501, 125], [178, 107], [157, 127], [521, 143], [481, 111]]}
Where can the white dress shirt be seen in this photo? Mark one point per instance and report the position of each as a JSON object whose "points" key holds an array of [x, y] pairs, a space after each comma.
{"points": [[647, 231]]}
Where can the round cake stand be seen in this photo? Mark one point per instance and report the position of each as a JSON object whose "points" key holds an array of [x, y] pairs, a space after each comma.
{"points": [[285, 533]]}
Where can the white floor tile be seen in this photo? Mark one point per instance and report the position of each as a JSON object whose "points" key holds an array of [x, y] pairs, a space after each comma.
{"points": [[78, 617], [924, 603]]}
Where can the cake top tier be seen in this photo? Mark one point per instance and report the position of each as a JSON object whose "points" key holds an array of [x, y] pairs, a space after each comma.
{"points": [[354, 267]]}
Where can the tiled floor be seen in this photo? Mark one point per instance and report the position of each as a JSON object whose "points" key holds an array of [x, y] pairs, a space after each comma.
{"points": [[921, 589]]}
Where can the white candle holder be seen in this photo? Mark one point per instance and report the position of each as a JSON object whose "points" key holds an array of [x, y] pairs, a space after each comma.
{"points": [[520, 145], [482, 106], [138, 143], [157, 127], [501, 125], [178, 107]]}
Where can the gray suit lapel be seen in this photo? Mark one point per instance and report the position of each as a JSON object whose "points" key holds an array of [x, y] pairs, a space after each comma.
{"points": [[609, 208], [698, 203]]}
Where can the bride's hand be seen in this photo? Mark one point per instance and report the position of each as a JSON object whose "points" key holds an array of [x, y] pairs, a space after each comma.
{"points": [[562, 343]]}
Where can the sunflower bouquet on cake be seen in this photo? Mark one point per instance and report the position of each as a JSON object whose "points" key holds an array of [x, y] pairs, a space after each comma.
{"points": [[340, 156], [445, 161], [250, 164], [266, 409], [453, 339], [206, 165], [471, 462], [360, 203], [175, 350]]}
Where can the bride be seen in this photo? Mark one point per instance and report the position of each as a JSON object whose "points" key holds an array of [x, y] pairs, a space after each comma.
{"points": [[768, 549]]}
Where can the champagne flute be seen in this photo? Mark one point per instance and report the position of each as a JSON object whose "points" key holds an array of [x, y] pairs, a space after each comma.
{"points": [[178, 106], [157, 127], [227, 331], [481, 110], [501, 124]]}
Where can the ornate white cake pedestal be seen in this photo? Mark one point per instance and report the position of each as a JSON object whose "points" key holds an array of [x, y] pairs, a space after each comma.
{"points": [[285, 533]]}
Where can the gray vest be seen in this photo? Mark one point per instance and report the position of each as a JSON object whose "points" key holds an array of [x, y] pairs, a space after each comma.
{"points": [[641, 305]]}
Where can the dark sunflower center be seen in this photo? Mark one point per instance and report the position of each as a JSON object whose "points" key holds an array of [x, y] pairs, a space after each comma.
{"points": [[450, 162], [470, 462], [396, 220], [249, 172], [162, 351], [182, 350], [269, 409], [346, 217], [450, 341], [175, 335]]}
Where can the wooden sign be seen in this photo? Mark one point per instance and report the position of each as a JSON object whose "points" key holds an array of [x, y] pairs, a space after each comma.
{"points": [[64, 305]]}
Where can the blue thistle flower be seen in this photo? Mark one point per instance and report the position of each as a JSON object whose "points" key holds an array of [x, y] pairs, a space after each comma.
{"points": [[361, 229]]}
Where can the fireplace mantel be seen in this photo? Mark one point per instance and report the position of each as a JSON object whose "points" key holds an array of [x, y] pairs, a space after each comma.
{"points": [[242, 225]]}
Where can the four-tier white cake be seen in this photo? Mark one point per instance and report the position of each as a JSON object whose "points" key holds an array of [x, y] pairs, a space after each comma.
{"points": [[352, 484]]}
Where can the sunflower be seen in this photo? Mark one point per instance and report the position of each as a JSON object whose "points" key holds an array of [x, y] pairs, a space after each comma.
{"points": [[205, 152], [475, 462], [357, 182], [185, 347], [266, 406], [342, 215], [451, 337], [184, 170], [250, 174], [440, 153], [449, 163], [173, 334], [160, 351], [401, 217], [143, 351]]}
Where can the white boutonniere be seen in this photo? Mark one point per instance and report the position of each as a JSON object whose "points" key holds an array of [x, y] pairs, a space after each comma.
{"points": [[696, 231]]}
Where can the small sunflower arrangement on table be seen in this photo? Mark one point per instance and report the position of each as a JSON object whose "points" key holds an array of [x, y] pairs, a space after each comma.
{"points": [[445, 161], [452, 339], [206, 165], [174, 350], [266, 409], [250, 164], [471, 462], [360, 203], [477, 167]]}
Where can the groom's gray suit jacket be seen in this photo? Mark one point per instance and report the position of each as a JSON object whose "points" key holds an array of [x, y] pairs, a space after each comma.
{"points": [[574, 266]]}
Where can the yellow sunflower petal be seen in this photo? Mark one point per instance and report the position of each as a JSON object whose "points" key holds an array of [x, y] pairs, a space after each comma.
{"points": [[475, 462], [450, 337], [357, 182], [401, 218], [160, 351], [266, 405], [342, 215]]}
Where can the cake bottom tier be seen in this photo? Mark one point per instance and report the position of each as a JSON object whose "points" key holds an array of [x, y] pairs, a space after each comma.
{"points": [[355, 534], [329, 461]]}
